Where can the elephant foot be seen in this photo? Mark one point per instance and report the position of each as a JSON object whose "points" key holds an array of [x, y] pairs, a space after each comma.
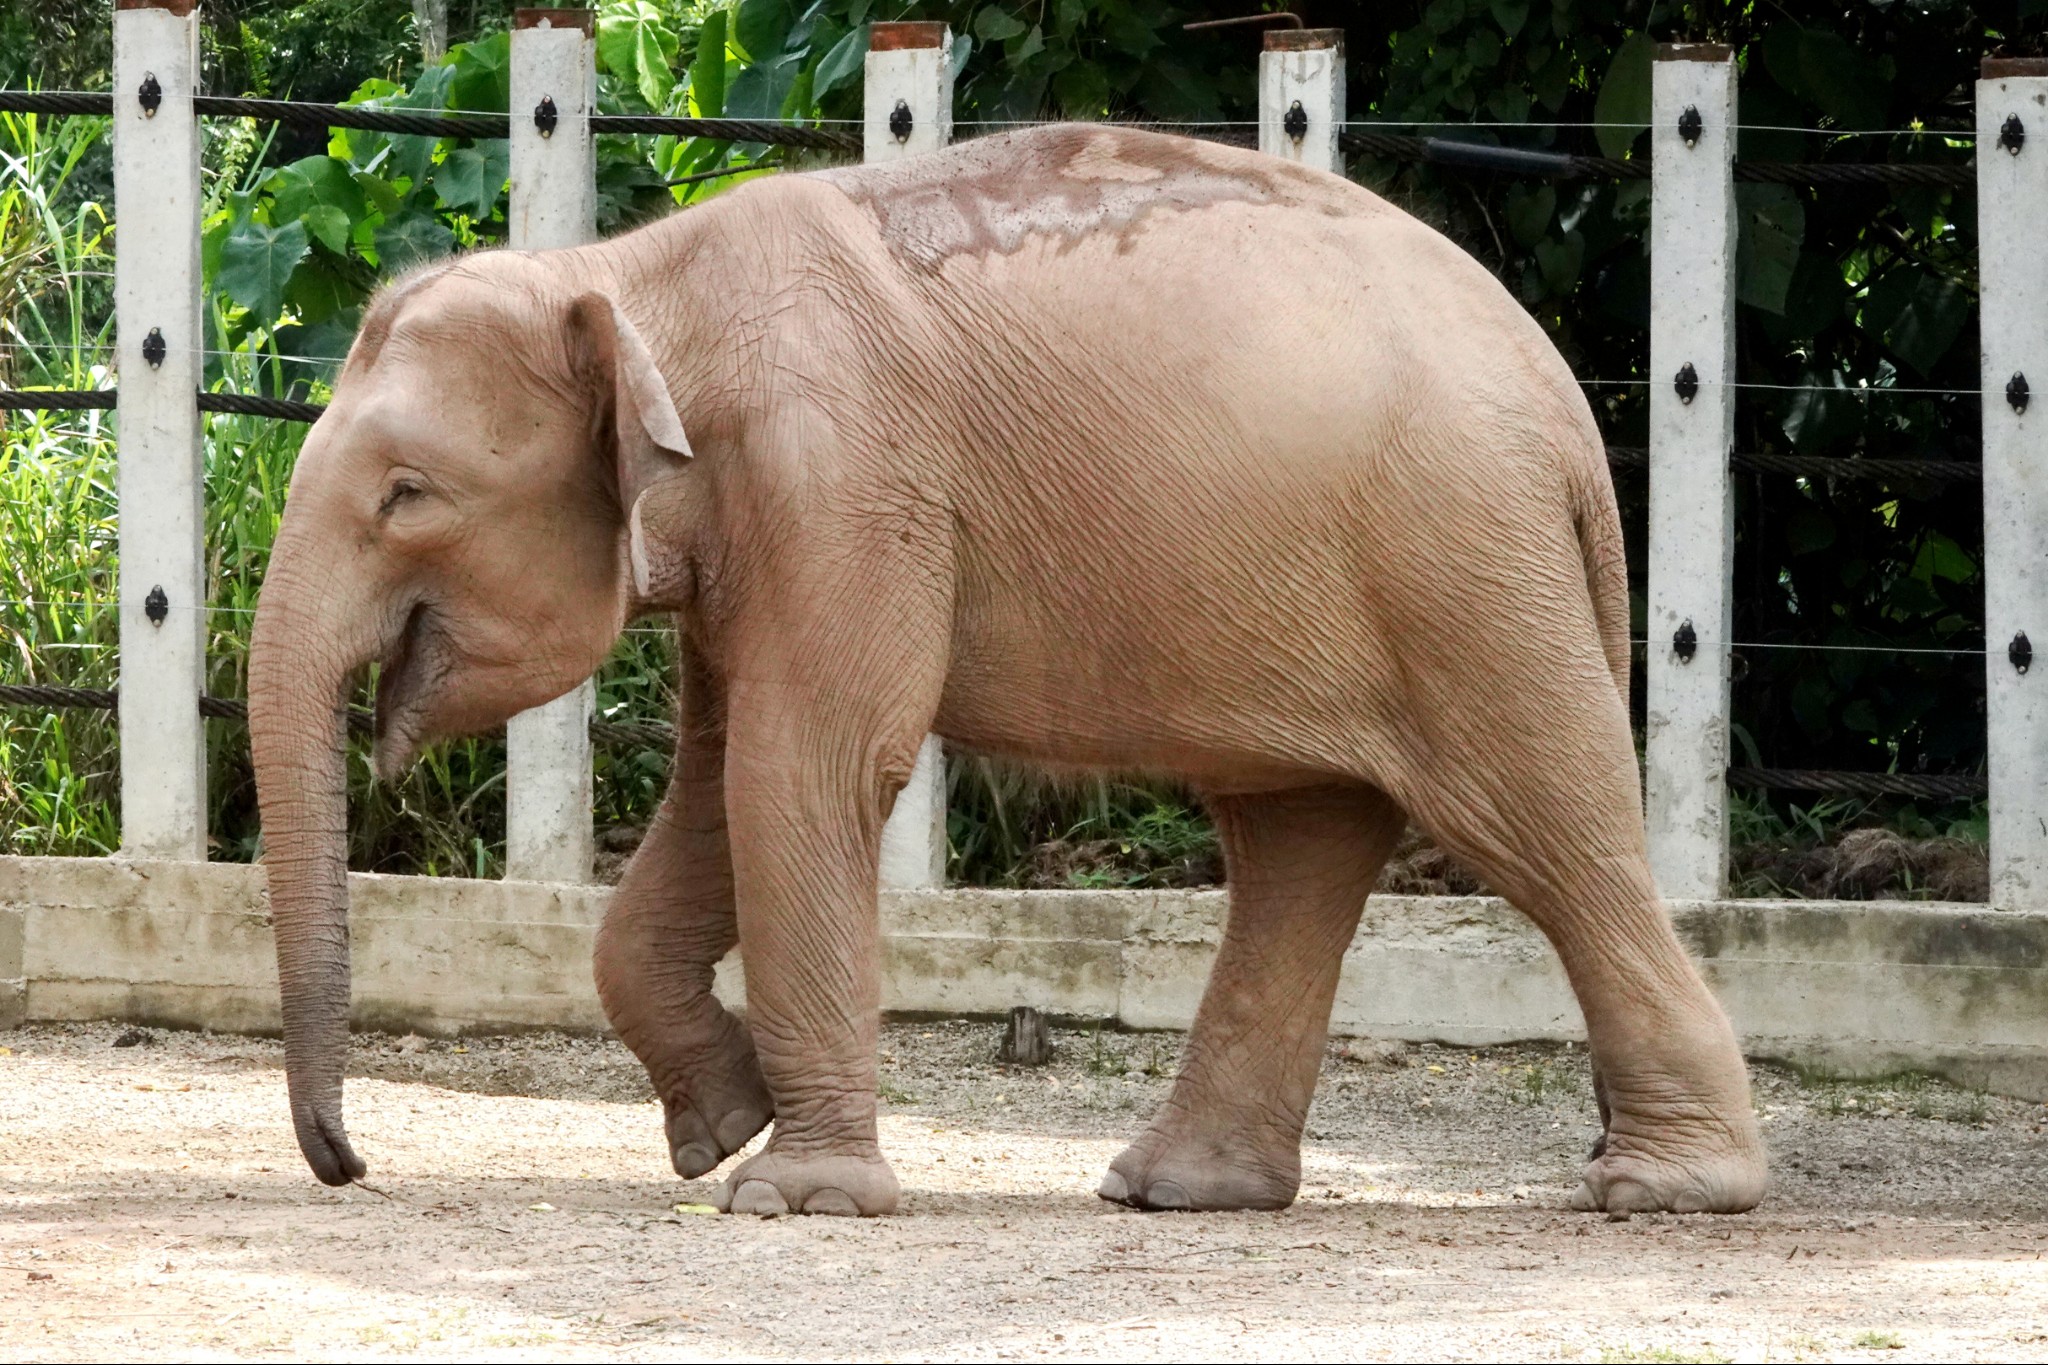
{"points": [[775, 1183], [712, 1119], [1161, 1173], [1626, 1179]]}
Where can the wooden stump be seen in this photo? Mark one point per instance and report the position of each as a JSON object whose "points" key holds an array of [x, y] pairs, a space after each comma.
{"points": [[1026, 1039]]}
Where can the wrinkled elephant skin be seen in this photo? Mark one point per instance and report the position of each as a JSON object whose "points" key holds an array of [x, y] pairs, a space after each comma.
{"points": [[1087, 447]]}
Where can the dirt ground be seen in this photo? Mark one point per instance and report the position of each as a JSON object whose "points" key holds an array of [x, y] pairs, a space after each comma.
{"points": [[152, 1205]]}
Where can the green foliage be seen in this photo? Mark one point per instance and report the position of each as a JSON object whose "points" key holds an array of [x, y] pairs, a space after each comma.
{"points": [[1008, 826], [1861, 293], [636, 44]]}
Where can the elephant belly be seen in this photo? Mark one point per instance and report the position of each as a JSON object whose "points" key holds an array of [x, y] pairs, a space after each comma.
{"points": [[1170, 667]]}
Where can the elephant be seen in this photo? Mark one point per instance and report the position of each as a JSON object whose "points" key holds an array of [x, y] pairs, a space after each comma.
{"points": [[1089, 447]]}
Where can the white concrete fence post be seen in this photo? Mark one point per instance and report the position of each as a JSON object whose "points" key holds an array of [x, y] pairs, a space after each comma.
{"points": [[908, 106], [548, 785], [1692, 428], [161, 478], [908, 110], [2012, 205], [1301, 96]]}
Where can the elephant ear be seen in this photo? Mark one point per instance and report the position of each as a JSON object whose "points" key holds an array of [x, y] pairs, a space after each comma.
{"points": [[643, 424]]}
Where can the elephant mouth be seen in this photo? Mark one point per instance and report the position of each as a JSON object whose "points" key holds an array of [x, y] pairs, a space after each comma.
{"points": [[402, 690]]}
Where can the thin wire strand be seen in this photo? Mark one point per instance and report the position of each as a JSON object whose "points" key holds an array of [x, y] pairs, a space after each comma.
{"points": [[1824, 649], [1956, 133], [281, 355], [1851, 391], [108, 607]]}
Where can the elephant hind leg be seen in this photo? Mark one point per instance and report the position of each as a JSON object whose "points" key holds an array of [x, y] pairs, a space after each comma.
{"points": [[1229, 1135], [669, 923], [1531, 781]]}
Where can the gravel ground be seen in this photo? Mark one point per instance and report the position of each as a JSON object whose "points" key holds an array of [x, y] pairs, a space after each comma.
{"points": [[152, 1205]]}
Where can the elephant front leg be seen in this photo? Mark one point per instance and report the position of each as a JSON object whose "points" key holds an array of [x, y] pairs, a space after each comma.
{"points": [[807, 803], [1229, 1136], [670, 922]]}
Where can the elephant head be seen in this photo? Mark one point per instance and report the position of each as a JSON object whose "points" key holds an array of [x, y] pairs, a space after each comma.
{"points": [[459, 516]]}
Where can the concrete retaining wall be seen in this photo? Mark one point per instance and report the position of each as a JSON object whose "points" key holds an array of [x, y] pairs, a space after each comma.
{"points": [[1855, 988]]}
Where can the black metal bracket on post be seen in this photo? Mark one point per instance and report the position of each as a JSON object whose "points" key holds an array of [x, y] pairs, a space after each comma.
{"points": [[1686, 383], [2020, 652], [156, 606], [2016, 391], [546, 116], [1295, 122], [153, 347], [1685, 642], [2012, 135], [1691, 125], [901, 121], [150, 96]]}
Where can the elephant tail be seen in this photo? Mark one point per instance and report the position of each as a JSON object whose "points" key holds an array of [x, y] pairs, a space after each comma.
{"points": [[1597, 521]]}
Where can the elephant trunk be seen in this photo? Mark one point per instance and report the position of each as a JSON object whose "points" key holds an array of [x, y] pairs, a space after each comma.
{"points": [[296, 739]]}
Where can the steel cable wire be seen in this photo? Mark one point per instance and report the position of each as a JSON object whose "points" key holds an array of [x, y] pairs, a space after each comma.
{"points": [[1387, 146], [658, 735], [612, 733], [1625, 459]]}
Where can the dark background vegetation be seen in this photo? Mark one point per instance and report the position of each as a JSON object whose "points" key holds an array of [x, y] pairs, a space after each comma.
{"points": [[1852, 298]]}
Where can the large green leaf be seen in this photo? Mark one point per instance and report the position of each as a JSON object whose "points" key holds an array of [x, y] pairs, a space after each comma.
{"points": [[1560, 259], [1932, 316], [1082, 90], [1814, 300], [707, 71], [842, 63], [471, 178], [635, 43], [256, 261], [321, 289], [759, 90], [314, 180], [1623, 107], [760, 26], [382, 195], [1529, 211], [320, 192], [1829, 72], [412, 237], [481, 73], [995, 23], [411, 156], [1771, 229]]}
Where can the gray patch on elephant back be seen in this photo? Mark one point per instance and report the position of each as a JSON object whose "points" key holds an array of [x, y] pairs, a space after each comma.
{"points": [[1071, 182]]}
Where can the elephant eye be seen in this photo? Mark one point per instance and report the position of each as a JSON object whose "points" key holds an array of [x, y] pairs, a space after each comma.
{"points": [[401, 490]]}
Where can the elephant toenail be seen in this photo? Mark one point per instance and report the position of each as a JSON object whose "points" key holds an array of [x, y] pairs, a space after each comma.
{"points": [[759, 1198], [831, 1201], [1167, 1196], [693, 1159], [1114, 1188]]}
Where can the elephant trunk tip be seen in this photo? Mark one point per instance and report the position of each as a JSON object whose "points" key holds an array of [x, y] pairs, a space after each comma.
{"points": [[325, 1144]]}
